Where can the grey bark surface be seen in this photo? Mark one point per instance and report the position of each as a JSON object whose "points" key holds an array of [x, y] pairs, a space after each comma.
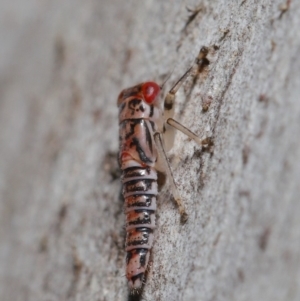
{"points": [[62, 66]]}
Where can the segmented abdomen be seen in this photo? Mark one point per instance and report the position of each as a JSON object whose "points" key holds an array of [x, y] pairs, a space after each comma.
{"points": [[140, 191], [137, 159]]}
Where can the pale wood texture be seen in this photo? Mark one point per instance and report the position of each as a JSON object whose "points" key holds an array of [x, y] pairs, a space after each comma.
{"points": [[62, 65]]}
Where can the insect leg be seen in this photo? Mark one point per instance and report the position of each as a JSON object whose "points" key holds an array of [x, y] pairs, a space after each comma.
{"points": [[178, 126], [197, 67], [200, 62], [164, 160]]}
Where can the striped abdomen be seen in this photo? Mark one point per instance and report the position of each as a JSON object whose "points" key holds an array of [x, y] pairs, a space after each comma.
{"points": [[139, 191], [139, 119]]}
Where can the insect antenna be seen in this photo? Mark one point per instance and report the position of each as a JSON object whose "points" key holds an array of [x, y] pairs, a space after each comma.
{"points": [[167, 78]]}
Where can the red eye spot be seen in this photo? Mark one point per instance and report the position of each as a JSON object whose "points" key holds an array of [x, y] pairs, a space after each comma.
{"points": [[150, 90]]}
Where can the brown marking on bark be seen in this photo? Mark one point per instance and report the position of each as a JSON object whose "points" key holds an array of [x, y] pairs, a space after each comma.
{"points": [[264, 239]]}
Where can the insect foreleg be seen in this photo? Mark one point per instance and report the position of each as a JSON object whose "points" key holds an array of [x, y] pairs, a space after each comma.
{"points": [[197, 67]]}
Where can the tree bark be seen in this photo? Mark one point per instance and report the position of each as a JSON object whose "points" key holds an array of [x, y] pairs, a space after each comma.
{"points": [[62, 66]]}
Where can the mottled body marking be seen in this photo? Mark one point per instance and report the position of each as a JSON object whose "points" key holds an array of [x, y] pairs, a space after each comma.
{"points": [[142, 118]]}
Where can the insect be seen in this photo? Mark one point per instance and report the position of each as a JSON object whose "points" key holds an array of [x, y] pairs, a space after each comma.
{"points": [[144, 117]]}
